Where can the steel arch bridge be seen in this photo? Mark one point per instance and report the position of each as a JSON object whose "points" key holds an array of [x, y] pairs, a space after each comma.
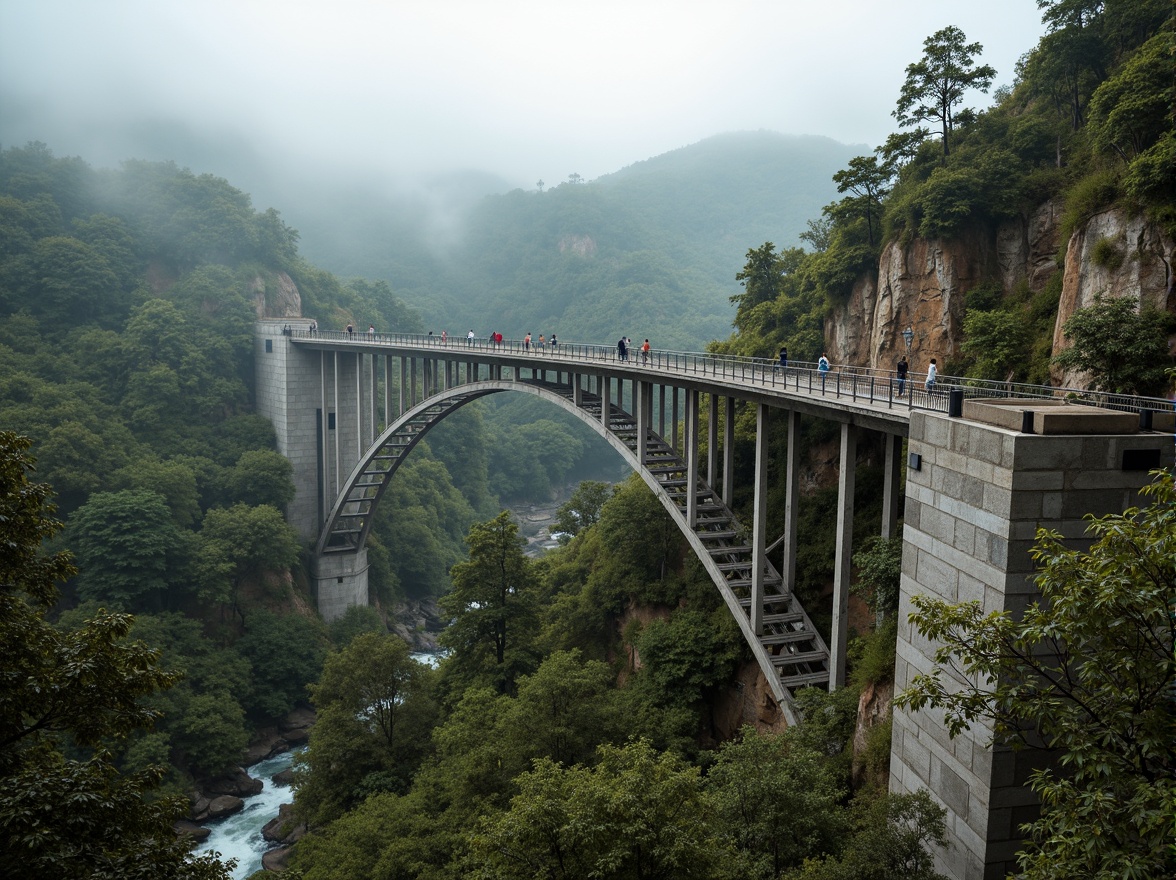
{"points": [[979, 485], [790, 651]]}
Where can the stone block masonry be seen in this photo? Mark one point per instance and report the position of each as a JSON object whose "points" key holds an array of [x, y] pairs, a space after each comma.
{"points": [[973, 508]]}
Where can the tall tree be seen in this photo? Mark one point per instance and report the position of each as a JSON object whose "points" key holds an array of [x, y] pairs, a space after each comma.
{"points": [[375, 710], [759, 278], [936, 83], [1089, 672], [868, 181], [492, 606], [68, 698]]}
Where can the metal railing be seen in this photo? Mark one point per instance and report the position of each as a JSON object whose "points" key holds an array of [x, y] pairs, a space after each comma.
{"points": [[865, 384]]}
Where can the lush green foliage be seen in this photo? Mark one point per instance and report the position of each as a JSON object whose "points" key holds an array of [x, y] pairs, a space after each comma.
{"points": [[589, 762], [582, 510], [1125, 349], [375, 709], [69, 699], [879, 570], [1087, 672]]}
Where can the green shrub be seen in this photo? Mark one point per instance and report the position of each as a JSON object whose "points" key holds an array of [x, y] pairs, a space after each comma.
{"points": [[1107, 253], [1095, 192]]}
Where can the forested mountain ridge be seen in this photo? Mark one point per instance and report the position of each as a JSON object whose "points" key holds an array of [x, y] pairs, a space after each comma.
{"points": [[652, 248], [989, 234]]}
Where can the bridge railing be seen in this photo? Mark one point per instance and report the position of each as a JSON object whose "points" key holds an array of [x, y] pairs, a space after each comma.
{"points": [[866, 384]]}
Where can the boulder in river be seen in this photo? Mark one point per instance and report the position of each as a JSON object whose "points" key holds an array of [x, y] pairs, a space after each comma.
{"points": [[225, 805], [237, 782], [277, 860], [197, 832], [285, 828]]}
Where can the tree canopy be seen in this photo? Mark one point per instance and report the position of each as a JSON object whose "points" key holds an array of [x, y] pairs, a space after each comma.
{"points": [[70, 697], [1087, 672]]}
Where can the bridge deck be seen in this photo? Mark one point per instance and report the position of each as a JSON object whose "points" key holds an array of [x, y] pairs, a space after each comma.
{"points": [[872, 398]]}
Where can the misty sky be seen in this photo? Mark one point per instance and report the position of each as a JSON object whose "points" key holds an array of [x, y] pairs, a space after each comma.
{"points": [[519, 88]]}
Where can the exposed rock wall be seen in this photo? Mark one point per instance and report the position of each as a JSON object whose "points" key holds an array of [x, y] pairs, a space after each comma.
{"points": [[1114, 254], [923, 283], [277, 299]]}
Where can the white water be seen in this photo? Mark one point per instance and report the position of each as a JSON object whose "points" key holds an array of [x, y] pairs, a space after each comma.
{"points": [[239, 836]]}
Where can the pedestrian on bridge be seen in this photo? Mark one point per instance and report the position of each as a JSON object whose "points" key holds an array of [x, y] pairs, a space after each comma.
{"points": [[527, 341], [645, 352], [782, 364], [350, 331], [444, 337], [900, 370], [470, 338], [932, 376], [541, 342], [554, 342], [823, 369], [622, 349], [313, 327]]}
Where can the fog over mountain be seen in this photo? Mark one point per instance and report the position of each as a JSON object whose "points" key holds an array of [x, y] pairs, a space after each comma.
{"points": [[273, 95]]}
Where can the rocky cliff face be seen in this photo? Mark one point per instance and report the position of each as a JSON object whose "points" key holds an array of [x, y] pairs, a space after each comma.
{"points": [[1114, 254], [279, 298], [922, 284]]}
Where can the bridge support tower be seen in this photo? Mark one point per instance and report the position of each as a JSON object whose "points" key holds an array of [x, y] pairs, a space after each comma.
{"points": [[310, 398], [978, 488]]}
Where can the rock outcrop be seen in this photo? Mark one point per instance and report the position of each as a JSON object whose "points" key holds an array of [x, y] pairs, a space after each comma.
{"points": [[748, 700], [284, 828], [418, 622], [922, 284], [1114, 254], [277, 298]]}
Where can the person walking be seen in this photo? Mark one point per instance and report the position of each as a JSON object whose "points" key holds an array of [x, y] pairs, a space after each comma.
{"points": [[313, 328], [541, 342], [554, 342], [782, 363], [470, 338], [900, 370], [823, 369], [622, 349], [645, 352], [444, 337], [932, 376], [350, 331], [527, 341]]}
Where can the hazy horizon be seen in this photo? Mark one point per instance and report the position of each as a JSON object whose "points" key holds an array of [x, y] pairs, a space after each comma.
{"points": [[398, 93]]}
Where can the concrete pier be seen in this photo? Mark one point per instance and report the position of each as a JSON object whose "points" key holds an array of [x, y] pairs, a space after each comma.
{"points": [[977, 492]]}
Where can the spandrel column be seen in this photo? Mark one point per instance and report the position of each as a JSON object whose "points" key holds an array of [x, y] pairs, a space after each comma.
{"points": [[841, 573]]}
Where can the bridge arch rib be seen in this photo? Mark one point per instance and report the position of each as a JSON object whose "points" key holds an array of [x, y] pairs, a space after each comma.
{"points": [[789, 650]]}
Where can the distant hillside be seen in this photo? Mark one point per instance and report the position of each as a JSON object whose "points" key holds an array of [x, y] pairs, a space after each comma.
{"points": [[651, 250]]}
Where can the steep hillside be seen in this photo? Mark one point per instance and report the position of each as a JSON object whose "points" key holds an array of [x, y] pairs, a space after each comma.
{"points": [[652, 249], [991, 236]]}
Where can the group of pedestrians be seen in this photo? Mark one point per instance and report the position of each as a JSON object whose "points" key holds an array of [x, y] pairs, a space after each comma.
{"points": [[625, 346], [901, 369], [540, 343]]}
